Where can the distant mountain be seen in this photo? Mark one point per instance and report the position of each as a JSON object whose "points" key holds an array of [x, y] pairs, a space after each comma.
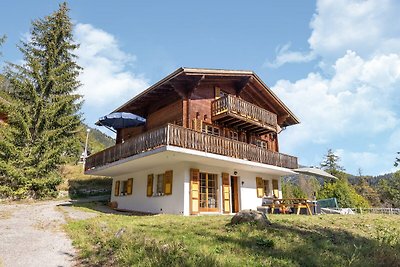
{"points": [[372, 180], [97, 140]]}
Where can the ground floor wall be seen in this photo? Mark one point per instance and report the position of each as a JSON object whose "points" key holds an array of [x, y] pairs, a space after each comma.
{"points": [[246, 181], [139, 200], [179, 201]]}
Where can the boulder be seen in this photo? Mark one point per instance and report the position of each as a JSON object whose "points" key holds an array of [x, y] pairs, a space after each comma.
{"points": [[251, 216]]}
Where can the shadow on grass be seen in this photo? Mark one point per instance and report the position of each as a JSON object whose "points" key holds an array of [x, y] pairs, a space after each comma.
{"points": [[319, 246]]}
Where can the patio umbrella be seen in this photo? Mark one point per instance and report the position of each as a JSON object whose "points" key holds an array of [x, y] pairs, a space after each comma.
{"points": [[119, 120], [315, 172]]}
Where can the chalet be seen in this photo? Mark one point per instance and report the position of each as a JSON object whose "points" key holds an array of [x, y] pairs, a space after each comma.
{"points": [[209, 145]]}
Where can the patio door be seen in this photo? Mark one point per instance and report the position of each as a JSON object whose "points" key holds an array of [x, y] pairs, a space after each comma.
{"points": [[208, 192], [235, 194]]}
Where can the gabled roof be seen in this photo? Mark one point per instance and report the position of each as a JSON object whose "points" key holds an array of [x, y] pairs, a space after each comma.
{"points": [[173, 86]]}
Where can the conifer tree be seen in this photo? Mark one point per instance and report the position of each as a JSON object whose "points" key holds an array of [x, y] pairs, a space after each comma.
{"points": [[43, 114], [330, 163]]}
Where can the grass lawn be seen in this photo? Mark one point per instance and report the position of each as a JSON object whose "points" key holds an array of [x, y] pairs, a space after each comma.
{"points": [[168, 240]]}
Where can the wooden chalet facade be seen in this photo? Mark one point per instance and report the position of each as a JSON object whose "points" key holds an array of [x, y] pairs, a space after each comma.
{"points": [[209, 144]]}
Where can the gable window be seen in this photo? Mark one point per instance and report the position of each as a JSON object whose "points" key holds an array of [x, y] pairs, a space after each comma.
{"points": [[207, 128], [218, 93]]}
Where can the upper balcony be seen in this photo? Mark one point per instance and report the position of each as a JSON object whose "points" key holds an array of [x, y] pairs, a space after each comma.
{"points": [[173, 135], [238, 113]]}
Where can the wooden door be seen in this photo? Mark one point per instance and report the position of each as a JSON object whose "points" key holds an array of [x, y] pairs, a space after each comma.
{"points": [[194, 191], [226, 194], [235, 194]]}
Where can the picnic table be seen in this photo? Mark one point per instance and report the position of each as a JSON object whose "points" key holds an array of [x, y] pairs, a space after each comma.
{"points": [[286, 204]]}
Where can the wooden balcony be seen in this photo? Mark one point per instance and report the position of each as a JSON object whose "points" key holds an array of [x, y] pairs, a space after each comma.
{"points": [[186, 138], [238, 113]]}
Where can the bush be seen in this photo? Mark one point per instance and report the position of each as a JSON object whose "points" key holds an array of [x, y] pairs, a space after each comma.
{"points": [[345, 194], [290, 190], [45, 187]]}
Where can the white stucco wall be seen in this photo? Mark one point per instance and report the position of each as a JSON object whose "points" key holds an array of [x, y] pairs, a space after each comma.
{"points": [[247, 191], [179, 201], [139, 201]]}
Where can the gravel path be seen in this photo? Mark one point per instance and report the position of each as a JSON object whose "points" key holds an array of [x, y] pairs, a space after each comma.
{"points": [[32, 234]]}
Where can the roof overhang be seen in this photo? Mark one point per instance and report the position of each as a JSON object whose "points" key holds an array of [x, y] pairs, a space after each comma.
{"points": [[315, 172], [173, 88]]}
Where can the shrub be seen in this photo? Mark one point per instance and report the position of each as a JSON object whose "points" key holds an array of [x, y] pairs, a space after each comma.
{"points": [[345, 194]]}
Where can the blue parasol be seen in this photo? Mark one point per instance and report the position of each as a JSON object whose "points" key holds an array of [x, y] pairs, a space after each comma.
{"points": [[119, 120]]}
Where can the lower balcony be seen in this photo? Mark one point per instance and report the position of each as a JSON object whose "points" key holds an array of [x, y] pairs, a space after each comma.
{"points": [[173, 135]]}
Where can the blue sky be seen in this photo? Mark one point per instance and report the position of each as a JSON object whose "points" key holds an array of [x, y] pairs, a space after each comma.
{"points": [[335, 63]]}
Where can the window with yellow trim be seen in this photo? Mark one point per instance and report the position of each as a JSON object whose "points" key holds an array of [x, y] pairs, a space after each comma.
{"points": [[124, 187], [160, 185]]}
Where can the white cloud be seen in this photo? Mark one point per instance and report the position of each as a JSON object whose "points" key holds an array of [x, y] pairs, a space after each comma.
{"points": [[347, 102], [107, 79], [284, 55], [367, 27], [358, 103]]}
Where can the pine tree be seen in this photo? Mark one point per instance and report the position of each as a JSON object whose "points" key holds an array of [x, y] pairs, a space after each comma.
{"points": [[331, 163], [43, 116]]}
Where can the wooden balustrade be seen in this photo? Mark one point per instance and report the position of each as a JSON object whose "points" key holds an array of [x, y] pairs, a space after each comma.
{"points": [[186, 138], [233, 105]]}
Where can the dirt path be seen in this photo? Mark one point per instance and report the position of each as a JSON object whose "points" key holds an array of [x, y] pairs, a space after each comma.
{"points": [[32, 234]]}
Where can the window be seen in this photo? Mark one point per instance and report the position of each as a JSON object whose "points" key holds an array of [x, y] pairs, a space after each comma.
{"points": [[263, 187], [123, 188], [160, 185], [233, 135], [262, 144], [267, 189], [208, 192], [207, 128]]}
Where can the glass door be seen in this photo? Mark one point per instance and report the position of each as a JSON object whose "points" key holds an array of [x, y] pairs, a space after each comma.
{"points": [[208, 192]]}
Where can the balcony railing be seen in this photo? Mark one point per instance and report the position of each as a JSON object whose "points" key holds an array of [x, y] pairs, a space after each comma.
{"points": [[233, 106], [186, 138]]}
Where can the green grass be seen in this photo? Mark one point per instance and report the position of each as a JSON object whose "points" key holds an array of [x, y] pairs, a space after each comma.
{"points": [[168, 240]]}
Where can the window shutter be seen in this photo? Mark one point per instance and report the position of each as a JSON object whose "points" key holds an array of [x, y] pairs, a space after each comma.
{"points": [[197, 125], [129, 186], [168, 183], [275, 187], [194, 191], [217, 91], [260, 187], [150, 179], [226, 192], [116, 189]]}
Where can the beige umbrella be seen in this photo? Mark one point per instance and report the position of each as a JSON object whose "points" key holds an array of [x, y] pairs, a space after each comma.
{"points": [[314, 171]]}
